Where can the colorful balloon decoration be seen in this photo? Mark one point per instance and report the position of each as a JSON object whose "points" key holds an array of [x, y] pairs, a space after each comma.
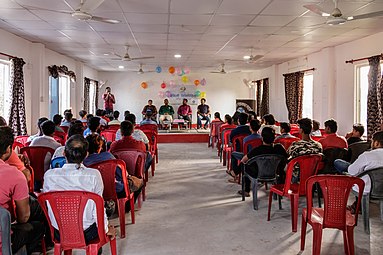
{"points": [[163, 85], [178, 71], [172, 83], [161, 94], [203, 82], [186, 70], [203, 95], [196, 82], [172, 69], [185, 79], [159, 69], [144, 85], [197, 93], [168, 93], [182, 89]]}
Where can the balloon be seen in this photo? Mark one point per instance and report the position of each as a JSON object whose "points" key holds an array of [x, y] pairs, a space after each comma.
{"points": [[196, 82], [163, 85], [197, 93], [159, 69], [203, 82], [161, 94], [185, 79], [172, 83], [144, 85], [182, 89], [203, 95], [178, 71], [186, 70], [168, 94], [172, 69]]}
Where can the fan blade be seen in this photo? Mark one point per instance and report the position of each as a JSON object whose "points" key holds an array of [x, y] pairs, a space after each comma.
{"points": [[255, 58], [141, 58], [105, 20], [91, 5], [316, 9], [365, 16]]}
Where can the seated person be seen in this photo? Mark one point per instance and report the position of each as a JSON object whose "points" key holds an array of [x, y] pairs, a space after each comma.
{"points": [[267, 147], [203, 113], [166, 112], [252, 116], [185, 111], [316, 131], [57, 118], [75, 129], [356, 134], [227, 124], [332, 140], [152, 108], [115, 121], [100, 114], [148, 118], [83, 116], [75, 176], [217, 117], [268, 120], [28, 229], [39, 132], [285, 131], [46, 140], [93, 126], [68, 119], [255, 125]]}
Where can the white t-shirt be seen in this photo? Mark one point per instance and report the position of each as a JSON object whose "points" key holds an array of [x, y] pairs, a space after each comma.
{"points": [[138, 135]]}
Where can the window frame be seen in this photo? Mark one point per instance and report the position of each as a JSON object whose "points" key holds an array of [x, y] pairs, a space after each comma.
{"points": [[7, 94]]}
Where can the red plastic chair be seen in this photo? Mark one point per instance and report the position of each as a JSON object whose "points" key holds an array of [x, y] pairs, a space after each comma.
{"points": [[151, 131], [107, 169], [316, 138], [226, 146], [237, 141], [152, 127], [308, 165], [36, 156], [113, 127], [220, 139], [22, 139], [16, 146], [254, 143], [336, 190], [60, 137], [286, 142], [68, 208], [135, 165], [110, 135], [65, 128], [213, 136], [296, 134], [32, 180]]}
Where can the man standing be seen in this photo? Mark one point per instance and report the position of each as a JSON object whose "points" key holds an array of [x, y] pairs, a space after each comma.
{"points": [[184, 111], [166, 112], [203, 113], [109, 100], [152, 108]]}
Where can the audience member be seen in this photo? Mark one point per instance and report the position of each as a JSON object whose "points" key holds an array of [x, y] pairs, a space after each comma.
{"points": [[356, 134], [100, 114], [148, 118], [75, 129], [46, 140], [268, 120], [152, 108], [316, 131], [332, 139], [184, 111], [115, 121], [255, 125], [14, 196], [285, 131], [203, 113], [252, 116], [75, 176], [268, 135], [68, 119], [217, 117], [235, 118], [39, 132], [93, 126], [57, 118], [227, 124], [83, 116], [138, 134]]}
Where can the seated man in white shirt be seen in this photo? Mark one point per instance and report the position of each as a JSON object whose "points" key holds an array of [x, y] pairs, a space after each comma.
{"points": [[75, 176]]}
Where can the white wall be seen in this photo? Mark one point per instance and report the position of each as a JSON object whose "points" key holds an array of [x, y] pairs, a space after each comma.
{"points": [[334, 80], [221, 90]]}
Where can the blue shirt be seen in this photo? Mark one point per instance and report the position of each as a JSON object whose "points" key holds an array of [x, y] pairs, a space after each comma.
{"points": [[148, 121], [99, 157], [87, 132], [251, 137]]}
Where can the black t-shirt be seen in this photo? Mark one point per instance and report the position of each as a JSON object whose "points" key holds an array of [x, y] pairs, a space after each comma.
{"points": [[203, 108], [266, 149], [352, 140]]}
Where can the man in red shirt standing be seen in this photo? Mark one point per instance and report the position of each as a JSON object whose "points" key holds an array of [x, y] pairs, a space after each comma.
{"points": [[109, 100], [332, 139]]}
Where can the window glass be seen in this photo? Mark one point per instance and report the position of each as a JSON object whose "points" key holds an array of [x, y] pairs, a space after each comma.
{"points": [[59, 95], [92, 97], [5, 89], [307, 107]]}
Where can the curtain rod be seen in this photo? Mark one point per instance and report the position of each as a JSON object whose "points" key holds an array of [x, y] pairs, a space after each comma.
{"points": [[259, 80], [360, 59], [303, 71], [1, 53], [90, 79]]}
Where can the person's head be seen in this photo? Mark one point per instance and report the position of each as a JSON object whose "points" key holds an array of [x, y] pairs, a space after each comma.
{"points": [[150, 102], [331, 126], [255, 125], [76, 150], [377, 140], [131, 117], [228, 119], [99, 112], [148, 114], [316, 125], [126, 113], [217, 115], [76, 129], [268, 119], [116, 115], [268, 135], [94, 123], [6, 141], [3, 122], [82, 114], [235, 117], [357, 130], [67, 110], [110, 117], [184, 101], [96, 143], [89, 116], [108, 90], [39, 122], [252, 115], [48, 127], [305, 126], [57, 118], [242, 118], [203, 100], [166, 101], [68, 116], [285, 127], [126, 128]]}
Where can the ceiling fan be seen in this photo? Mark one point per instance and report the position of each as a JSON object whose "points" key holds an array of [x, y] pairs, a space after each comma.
{"points": [[248, 59], [336, 17], [127, 57], [83, 11], [222, 71], [141, 70]]}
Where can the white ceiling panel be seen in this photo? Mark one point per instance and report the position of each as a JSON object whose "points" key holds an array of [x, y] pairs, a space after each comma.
{"points": [[76, 25], [259, 30], [32, 24], [266, 20], [17, 14], [143, 28], [285, 7], [182, 29], [54, 16], [147, 6], [197, 6], [201, 20], [229, 19], [243, 7], [138, 18], [8, 4], [37, 4], [224, 30]]}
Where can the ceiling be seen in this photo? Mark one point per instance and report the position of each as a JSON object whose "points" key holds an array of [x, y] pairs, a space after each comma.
{"points": [[205, 32]]}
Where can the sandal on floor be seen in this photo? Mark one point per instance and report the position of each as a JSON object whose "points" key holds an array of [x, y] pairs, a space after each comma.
{"points": [[235, 180], [247, 194], [231, 173]]}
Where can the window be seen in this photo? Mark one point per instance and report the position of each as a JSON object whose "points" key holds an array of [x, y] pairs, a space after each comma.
{"points": [[92, 97], [59, 94], [307, 107], [5, 89], [362, 93]]}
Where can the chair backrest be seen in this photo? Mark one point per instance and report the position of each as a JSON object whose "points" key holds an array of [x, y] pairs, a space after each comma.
{"points": [[358, 148], [214, 128], [22, 139], [226, 137], [308, 166], [65, 128], [152, 127], [58, 162], [59, 138], [336, 190], [251, 144], [31, 183], [16, 146], [107, 169], [296, 134], [113, 127], [286, 142], [238, 142], [134, 161], [5, 231], [68, 209], [330, 155], [267, 165], [376, 176], [36, 156], [316, 138], [110, 135]]}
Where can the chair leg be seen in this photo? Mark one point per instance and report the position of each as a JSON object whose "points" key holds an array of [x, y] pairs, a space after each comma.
{"points": [[224, 158], [156, 156], [254, 187], [303, 232], [294, 200], [121, 216], [366, 213], [279, 202], [132, 215], [57, 249], [67, 252], [270, 200], [350, 240], [43, 246], [153, 167], [243, 187], [317, 239], [345, 243], [381, 209], [113, 247], [92, 249]]}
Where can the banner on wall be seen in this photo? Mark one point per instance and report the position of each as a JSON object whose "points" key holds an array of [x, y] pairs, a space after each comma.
{"points": [[176, 95], [245, 105]]}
